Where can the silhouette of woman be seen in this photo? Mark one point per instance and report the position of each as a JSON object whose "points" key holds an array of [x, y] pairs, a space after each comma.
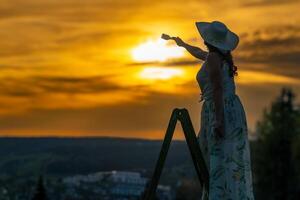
{"points": [[223, 135]]}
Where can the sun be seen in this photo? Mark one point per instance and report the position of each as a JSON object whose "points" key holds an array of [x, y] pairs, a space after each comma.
{"points": [[156, 50]]}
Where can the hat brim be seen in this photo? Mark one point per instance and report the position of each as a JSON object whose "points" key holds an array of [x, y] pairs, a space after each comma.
{"points": [[229, 43]]}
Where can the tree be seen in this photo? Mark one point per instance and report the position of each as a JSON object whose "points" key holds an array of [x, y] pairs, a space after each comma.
{"points": [[274, 165], [40, 193]]}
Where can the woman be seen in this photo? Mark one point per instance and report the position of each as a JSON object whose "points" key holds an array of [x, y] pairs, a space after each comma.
{"points": [[223, 135]]}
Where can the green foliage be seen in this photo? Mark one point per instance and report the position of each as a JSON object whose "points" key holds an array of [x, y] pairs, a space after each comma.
{"points": [[276, 149], [26, 157]]}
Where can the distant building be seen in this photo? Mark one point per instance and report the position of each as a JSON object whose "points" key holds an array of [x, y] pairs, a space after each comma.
{"points": [[77, 179], [164, 192], [127, 184], [112, 185]]}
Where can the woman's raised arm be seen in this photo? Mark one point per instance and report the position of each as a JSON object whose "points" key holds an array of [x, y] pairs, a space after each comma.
{"points": [[194, 51]]}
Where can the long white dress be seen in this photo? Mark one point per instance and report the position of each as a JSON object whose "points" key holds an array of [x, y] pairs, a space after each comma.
{"points": [[228, 159]]}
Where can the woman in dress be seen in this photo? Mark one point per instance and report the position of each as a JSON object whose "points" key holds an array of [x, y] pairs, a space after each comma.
{"points": [[223, 135]]}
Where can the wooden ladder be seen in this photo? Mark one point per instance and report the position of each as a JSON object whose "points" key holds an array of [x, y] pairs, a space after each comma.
{"points": [[183, 116]]}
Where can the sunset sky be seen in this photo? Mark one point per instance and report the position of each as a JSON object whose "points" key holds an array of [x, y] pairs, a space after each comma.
{"points": [[99, 67]]}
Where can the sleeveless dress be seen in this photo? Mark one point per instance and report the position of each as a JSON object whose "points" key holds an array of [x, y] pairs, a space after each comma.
{"points": [[228, 159]]}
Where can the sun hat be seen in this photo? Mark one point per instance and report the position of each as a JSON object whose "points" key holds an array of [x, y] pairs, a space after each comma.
{"points": [[217, 34]]}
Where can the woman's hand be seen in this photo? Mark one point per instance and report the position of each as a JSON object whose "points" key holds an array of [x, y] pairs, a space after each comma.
{"points": [[178, 41]]}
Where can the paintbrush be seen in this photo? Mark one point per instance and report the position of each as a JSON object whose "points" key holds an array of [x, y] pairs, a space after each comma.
{"points": [[167, 37]]}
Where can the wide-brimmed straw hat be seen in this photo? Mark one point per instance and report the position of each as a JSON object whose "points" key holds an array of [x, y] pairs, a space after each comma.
{"points": [[217, 34]]}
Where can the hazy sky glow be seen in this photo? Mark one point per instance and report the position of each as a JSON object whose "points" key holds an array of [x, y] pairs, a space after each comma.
{"points": [[91, 68]]}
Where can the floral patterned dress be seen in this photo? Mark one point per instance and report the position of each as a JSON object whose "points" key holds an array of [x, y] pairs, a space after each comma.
{"points": [[228, 159]]}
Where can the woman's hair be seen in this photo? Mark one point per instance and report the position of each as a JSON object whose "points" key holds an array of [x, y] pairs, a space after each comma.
{"points": [[227, 57]]}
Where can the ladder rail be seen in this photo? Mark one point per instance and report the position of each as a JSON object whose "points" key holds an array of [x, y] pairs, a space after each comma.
{"points": [[183, 116], [191, 139], [150, 191]]}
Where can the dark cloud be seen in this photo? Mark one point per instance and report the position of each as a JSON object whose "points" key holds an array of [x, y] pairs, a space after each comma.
{"points": [[266, 2], [170, 63], [144, 117], [97, 36], [137, 118], [72, 10], [276, 47], [32, 86]]}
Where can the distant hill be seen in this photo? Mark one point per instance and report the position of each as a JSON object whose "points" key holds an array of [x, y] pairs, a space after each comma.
{"points": [[68, 156]]}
